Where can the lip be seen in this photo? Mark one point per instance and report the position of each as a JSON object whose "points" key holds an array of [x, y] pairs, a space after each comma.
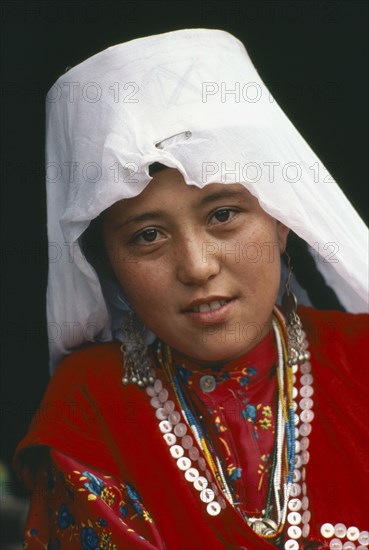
{"points": [[213, 316]]}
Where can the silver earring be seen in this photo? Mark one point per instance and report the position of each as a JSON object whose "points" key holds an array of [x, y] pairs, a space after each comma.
{"points": [[297, 353], [137, 366]]}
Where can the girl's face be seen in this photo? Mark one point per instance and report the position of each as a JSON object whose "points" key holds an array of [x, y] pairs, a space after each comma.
{"points": [[201, 267]]}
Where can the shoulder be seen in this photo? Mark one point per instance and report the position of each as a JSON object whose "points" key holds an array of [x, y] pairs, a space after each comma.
{"points": [[345, 328], [81, 405], [90, 364], [90, 356], [339, 341], [81, 384], [89, 378]]}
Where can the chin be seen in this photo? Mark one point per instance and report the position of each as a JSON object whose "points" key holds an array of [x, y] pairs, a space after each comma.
{"points": [[217, 353]]}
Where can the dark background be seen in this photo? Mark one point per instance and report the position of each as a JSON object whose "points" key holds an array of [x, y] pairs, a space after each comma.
{"points": [[311, 54]]}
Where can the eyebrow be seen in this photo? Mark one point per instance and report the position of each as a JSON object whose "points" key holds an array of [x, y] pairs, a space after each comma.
{"points": [[153, 215], [224, 194], [159, 214]]}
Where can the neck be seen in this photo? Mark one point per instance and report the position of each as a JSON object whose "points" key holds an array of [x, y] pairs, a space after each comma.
{"points": [[263, 348]]}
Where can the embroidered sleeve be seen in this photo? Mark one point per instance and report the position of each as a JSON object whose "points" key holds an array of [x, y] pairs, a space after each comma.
{"points": [[74, 506]]}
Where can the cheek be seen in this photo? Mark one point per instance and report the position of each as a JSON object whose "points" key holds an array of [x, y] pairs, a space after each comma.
{"points": [[148, 296], [142, 286], [260, 245], [259, 263]]}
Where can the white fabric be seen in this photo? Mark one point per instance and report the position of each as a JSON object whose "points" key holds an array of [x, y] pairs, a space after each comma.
{"points": [[167, 98]]}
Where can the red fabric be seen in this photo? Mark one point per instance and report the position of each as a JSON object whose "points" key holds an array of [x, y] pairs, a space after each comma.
{"points": [[75, 506], [243, 408], [89, 416]]}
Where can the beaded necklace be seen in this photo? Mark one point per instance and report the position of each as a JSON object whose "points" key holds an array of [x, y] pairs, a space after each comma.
{"points": [[289, 455]]}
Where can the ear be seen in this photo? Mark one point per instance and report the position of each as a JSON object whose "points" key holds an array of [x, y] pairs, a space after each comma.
{"points": [[282, 231]]}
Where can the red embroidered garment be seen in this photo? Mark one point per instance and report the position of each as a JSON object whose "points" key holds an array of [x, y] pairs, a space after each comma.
{"points": [[243, 409], [108, 481]]}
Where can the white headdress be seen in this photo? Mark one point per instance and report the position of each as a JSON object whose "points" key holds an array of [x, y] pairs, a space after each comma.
{"points": [[192, 100]]}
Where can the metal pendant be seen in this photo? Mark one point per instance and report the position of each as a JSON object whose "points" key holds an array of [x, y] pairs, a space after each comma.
{"points": [[263, 526], [297, 353]]}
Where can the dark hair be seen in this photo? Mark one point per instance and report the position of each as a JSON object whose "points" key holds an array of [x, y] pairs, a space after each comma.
{"points": [[92, 246], [309, 277], [156, 167]]}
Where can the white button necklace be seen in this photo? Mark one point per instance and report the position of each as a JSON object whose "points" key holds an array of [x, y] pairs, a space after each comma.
{"points": [[292, 511]]}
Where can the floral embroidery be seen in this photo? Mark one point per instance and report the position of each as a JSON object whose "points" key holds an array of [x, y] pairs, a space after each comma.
{"points": [[65, 519], [89, 539], [260, 416], [250, 413], [249, 372], [95, 485], [106, 542], [264, 467], [147, 516], [123, 509], [266, 421], [108, 496], [71, 523], [236, 402], [235, 473], [218, 425], [224, 376], [135, 500]]}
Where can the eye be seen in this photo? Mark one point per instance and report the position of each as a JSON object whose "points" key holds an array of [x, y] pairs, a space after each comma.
{"points": [[147, 236], [223, 215]]}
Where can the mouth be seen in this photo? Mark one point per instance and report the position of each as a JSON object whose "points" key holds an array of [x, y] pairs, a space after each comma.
{"points": [[209, 310], [212, 310], [208, 306]]}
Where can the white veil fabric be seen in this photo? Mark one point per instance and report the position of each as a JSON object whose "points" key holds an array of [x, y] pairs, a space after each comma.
{"points": [[192, 100]]}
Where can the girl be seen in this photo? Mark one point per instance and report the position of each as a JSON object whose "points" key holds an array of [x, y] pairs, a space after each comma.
{"points": [[186, 409]]}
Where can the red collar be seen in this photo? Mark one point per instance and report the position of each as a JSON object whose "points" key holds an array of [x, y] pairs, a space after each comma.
{"points": [[248, 368]]}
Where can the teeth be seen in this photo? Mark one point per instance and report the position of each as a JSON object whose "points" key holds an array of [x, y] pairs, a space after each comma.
{"points": [[208, 307], [215, 305]]}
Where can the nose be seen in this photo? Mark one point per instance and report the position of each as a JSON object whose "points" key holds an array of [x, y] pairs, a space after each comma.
{"points": [[198, 261]]}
